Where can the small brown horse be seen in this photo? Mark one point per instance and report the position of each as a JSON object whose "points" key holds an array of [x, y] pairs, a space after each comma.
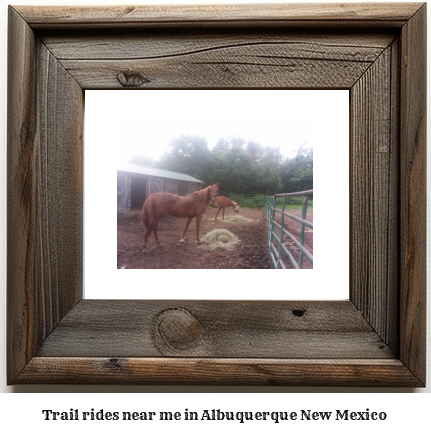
{"points": [[190, 206], [222, 202]]}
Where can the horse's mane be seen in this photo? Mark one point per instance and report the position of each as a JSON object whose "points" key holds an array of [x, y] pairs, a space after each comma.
{"points": [[204, 194]]}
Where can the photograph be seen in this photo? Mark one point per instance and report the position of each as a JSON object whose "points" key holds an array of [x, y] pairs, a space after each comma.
{"points": [[228, 187]]}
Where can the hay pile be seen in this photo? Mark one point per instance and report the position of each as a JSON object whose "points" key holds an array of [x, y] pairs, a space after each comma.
{"points": [[235, 218], [220, 239]]}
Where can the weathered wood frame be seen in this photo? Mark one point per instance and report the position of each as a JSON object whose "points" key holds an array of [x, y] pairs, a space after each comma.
{"points": [[376, 338]]}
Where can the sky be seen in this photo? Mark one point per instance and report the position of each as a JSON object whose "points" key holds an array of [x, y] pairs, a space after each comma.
{"points": [[147, 120]]}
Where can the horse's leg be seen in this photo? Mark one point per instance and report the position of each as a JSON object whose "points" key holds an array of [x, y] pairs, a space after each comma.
{"points": [[186, 228], [147, 233], [154, 227], [198, 223], [156, 237], [217, 213]]}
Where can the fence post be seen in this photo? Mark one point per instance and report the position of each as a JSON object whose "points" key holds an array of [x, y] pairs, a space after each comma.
{"points": [[271, 214], [304, 214], [268, 218], [285, 198]]}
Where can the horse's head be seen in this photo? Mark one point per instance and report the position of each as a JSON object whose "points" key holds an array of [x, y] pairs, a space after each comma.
{"points": [[213, 192], [236, 207]]}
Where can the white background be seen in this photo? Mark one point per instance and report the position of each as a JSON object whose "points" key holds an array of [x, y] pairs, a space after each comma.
{"points": [[324, 118], [24, 410]]}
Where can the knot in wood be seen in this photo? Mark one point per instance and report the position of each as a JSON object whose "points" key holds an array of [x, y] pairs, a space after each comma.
{"points": [[131, 79], [298, 312], [115, 363], [178, 328]]}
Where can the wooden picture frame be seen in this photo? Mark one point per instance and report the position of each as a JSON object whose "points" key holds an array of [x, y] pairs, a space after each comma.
{"points": [[376, 338]]}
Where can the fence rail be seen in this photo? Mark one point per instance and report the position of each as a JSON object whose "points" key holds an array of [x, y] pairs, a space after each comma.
{"points": [[277, 254]]}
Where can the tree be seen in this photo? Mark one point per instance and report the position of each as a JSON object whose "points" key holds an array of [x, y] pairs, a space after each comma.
{"points": [[240, 166], [255, 150], [187, 154], [297, 172]]}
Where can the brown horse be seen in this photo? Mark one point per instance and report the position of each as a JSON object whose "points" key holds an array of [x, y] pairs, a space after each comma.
{"points": [[222, 202], [190, 206]]}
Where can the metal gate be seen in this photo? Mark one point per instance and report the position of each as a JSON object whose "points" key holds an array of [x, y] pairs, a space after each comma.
{"points": [[278, 252]]}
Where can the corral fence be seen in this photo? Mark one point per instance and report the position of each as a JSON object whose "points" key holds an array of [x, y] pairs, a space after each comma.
{"points": [[278, 250]]}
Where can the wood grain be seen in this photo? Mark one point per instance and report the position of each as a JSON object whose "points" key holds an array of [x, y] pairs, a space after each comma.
{"points": [[241, 329], [59, 184], [374, 195], [377, 338], [329, 372], [139, 45], [186, 59], [309, 15], [413, 194], [44, 193], [21, 197]]}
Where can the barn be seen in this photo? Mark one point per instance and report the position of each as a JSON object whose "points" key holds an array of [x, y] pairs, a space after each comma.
{"points": [[136, 182]]}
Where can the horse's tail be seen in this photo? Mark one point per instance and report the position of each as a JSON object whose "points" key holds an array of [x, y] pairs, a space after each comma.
{"points": [[146, 215]]}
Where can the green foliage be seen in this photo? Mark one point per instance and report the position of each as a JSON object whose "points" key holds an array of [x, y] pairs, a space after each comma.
{"points": [[188, 155], [297, 172], [258, 201], [296, 201], [240, 166], [247, 201]]}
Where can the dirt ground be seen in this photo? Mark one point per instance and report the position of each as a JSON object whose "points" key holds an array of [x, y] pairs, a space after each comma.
{"points": [[251, 253]]}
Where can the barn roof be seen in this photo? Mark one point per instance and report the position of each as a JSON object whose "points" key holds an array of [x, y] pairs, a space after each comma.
{"points": [[154, 172]]}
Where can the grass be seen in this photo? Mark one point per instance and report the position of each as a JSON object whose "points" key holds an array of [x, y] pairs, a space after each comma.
{"points": [[258, 201]]}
